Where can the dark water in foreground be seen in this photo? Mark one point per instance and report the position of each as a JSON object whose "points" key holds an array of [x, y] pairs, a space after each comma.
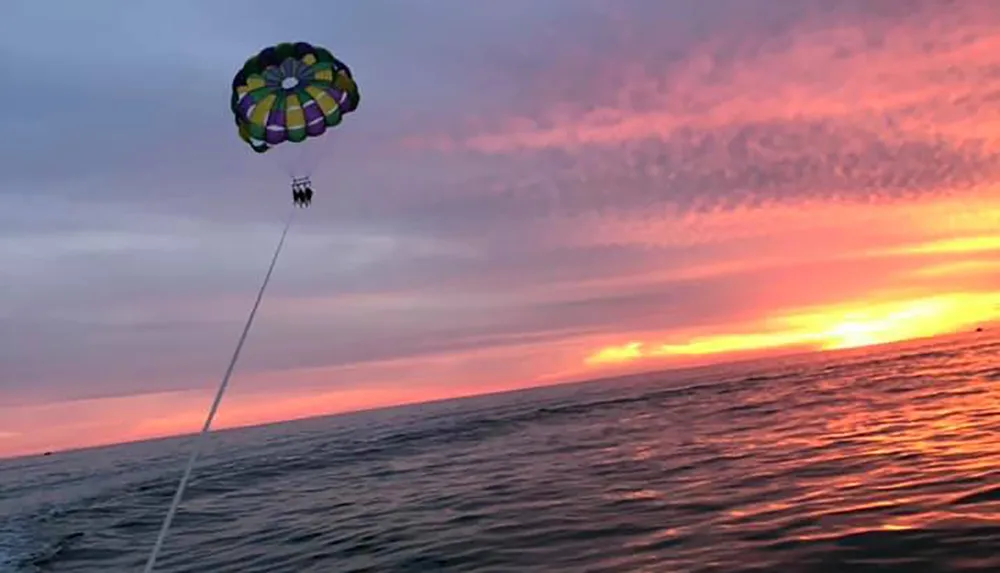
{"points": [[868, 461]]}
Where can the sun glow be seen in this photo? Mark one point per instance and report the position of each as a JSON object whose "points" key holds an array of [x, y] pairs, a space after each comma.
{"points": [[837, 327]]}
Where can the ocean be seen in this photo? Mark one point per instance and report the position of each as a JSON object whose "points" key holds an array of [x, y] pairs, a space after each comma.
{"points": [[884, 459]]}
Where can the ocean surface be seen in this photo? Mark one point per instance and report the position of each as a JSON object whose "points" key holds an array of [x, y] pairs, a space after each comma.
{"points": [[882, 459]]}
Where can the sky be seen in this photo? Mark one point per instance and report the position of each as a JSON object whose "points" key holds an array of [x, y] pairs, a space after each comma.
{"points": [[529, 193]]}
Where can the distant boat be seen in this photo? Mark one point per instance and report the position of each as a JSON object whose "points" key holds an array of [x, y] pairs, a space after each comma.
{"points": [[47, 454]]}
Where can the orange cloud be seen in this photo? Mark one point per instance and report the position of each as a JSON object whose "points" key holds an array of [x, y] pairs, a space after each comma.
{"points": [[960, 268], [963, 245]]}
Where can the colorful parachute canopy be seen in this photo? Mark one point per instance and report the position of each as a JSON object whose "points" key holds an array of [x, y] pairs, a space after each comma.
{"points": [[291, 92]]}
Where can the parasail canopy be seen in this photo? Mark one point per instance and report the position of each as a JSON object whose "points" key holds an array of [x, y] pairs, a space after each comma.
{"points": [[291, 92]]}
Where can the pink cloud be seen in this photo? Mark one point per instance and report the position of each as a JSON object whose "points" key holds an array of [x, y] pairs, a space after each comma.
{"points": [[926, 75]]}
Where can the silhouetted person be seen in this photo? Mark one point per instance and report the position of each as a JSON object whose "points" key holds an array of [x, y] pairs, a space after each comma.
{"points": [[308, 196]]}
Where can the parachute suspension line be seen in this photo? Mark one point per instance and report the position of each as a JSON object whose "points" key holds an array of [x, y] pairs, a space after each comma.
{"points": [[199, 440]]}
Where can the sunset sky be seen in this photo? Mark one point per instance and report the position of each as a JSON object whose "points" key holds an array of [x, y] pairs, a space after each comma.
{"points": [[530, 192]]}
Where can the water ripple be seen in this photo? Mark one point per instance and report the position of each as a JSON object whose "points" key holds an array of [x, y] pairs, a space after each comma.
{"points": [[873, 460]]}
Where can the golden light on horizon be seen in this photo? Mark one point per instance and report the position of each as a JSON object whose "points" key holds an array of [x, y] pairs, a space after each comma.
{"points": [[896, 321], [831, 328], [615, 354]]}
